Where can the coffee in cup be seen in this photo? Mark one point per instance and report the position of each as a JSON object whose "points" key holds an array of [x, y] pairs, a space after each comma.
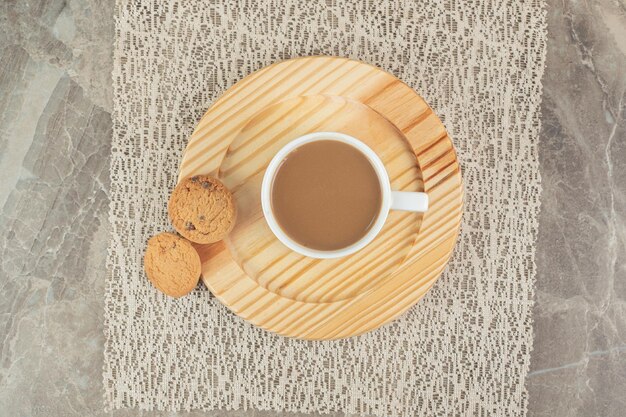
{"points": [[326, 195]]}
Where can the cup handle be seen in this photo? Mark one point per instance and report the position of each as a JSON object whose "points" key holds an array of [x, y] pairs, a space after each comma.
{"points": [[408, 201]]}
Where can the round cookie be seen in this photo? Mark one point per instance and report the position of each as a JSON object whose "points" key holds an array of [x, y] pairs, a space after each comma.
{"points": [[202, 209], [172, 264]]}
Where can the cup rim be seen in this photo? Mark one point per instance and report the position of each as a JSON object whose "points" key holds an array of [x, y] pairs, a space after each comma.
{"points": [[268, 179]]}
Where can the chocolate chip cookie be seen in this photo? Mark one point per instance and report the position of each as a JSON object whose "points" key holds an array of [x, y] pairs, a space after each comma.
{"points": [[202, 209], [172, 264]]}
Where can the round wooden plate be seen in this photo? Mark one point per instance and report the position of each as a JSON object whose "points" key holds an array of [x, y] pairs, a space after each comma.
{"points": [[261, 280]]}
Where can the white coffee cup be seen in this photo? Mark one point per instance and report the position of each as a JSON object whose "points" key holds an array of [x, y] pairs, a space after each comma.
{"points": [[391, 200]]}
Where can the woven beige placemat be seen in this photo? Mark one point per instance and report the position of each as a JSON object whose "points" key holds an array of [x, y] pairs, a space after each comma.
{"points": [[464, 349]]}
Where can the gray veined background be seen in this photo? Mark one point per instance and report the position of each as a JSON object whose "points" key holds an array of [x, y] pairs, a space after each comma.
{"points": [[55, 133]]}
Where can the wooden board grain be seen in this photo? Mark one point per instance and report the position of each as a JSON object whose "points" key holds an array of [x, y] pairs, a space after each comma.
{"points": [[258, 278]]}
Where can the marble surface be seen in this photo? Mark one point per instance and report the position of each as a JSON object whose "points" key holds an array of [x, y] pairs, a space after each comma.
{"points": [[578, 365], [55, 133]]}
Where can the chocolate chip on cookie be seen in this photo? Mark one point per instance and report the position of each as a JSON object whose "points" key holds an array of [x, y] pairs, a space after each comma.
{"points": [[172, 264], [202, 209]]}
